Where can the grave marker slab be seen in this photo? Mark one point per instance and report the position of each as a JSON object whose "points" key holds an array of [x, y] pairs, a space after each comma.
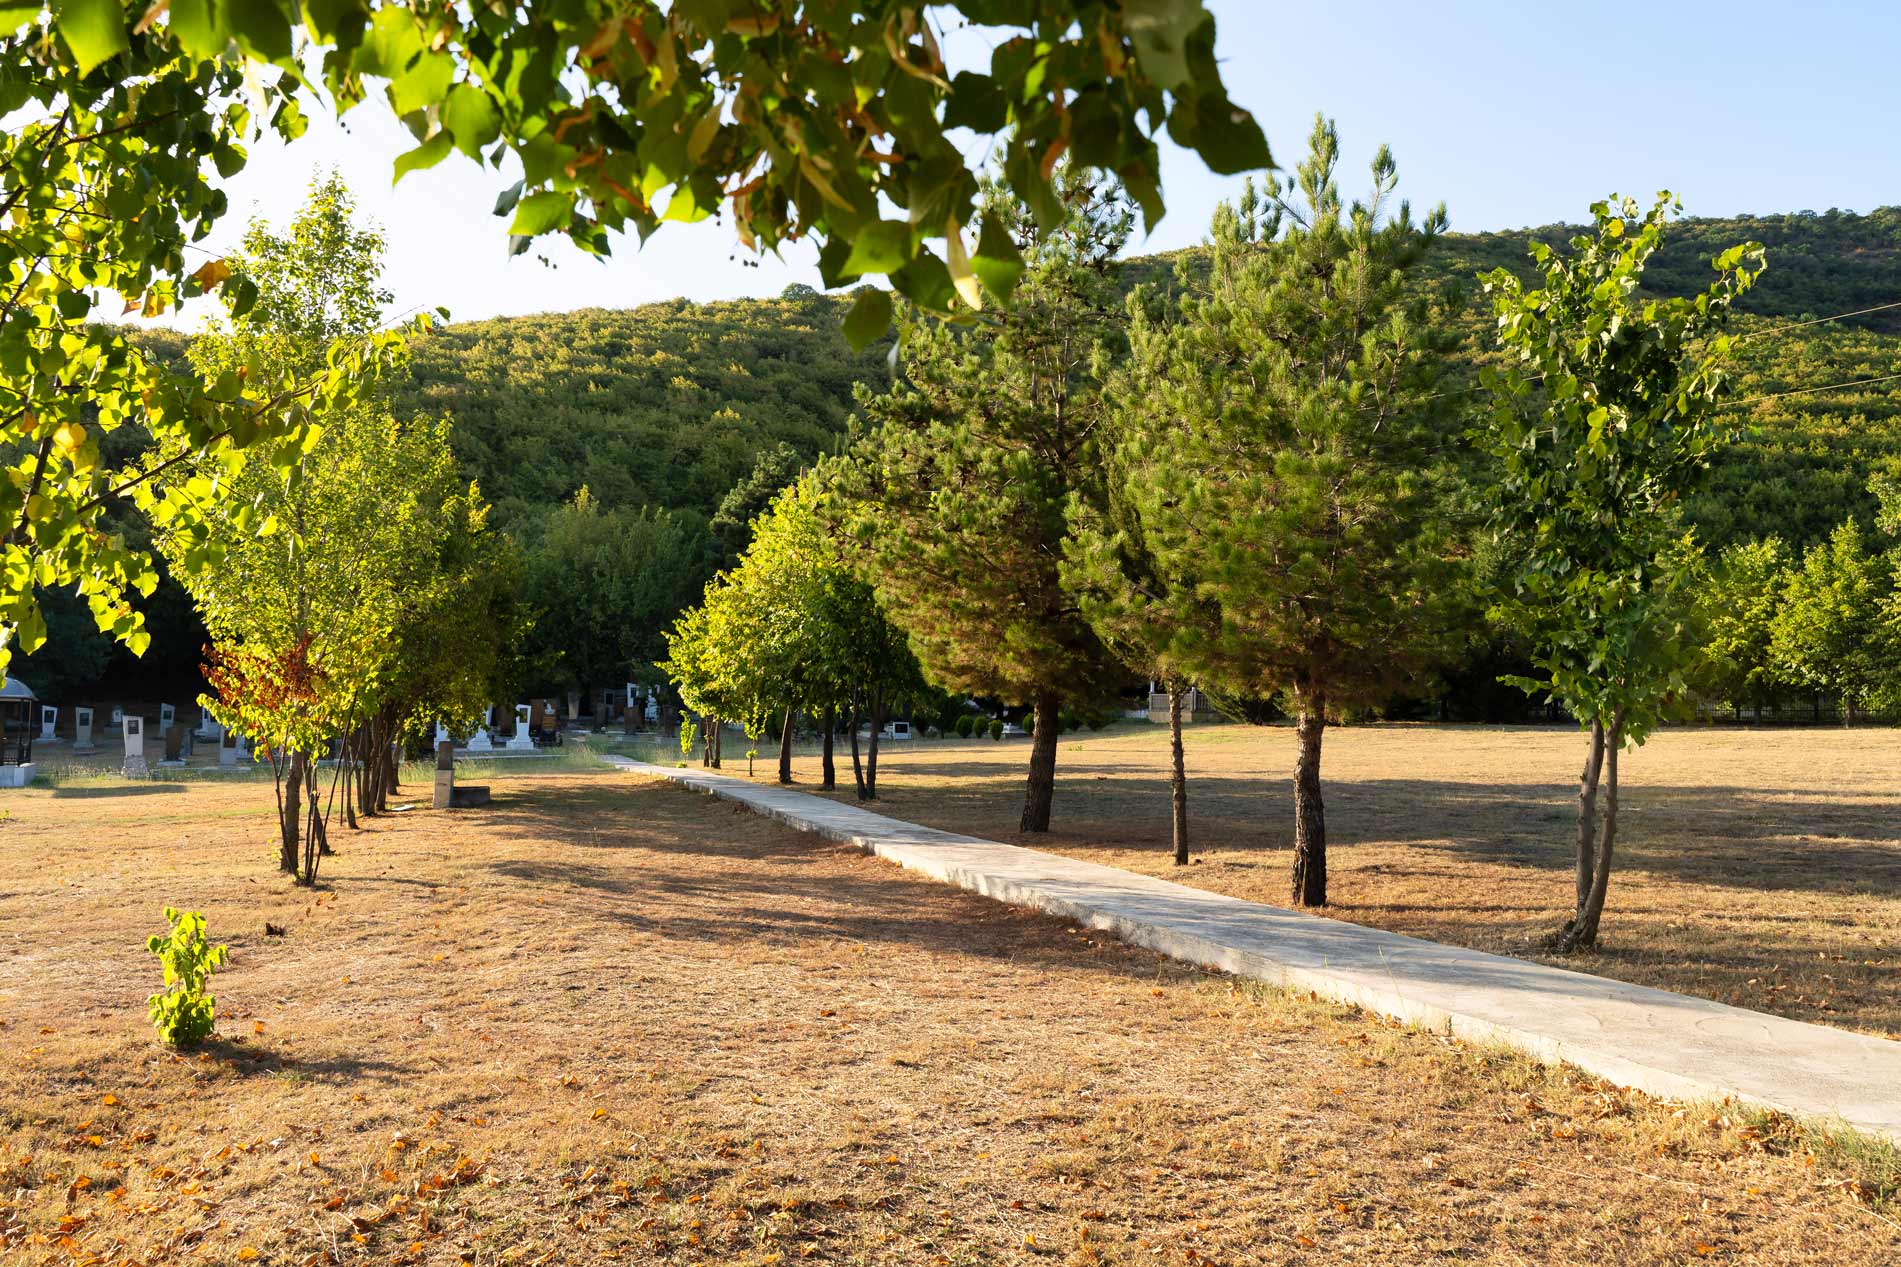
{"points": [[49, 722], [521, 740], [135, 767], [82, 731]]}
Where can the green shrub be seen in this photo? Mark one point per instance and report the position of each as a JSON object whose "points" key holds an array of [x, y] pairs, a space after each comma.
{"points": [[996, 728], [182, 1011], [688, 734], [963, 725]]}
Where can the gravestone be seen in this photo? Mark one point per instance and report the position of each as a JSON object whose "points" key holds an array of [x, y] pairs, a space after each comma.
{"points": [[442, 734], [82, 732], [49, 722], [630, 712], [174, 745], [445, 773], [479, 741], [521, 740], [135, 767], [167, 714], [228, 748], [208, 727]]}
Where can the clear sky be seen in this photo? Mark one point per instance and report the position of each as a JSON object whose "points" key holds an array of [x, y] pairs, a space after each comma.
{"points": [[1514, 113]]}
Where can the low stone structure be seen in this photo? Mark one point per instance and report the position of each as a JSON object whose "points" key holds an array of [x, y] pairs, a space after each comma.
{"points": [[82, 732]]}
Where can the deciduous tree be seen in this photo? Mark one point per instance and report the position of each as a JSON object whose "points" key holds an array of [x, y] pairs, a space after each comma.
{"points": [[1600, 420], [797, 121]]}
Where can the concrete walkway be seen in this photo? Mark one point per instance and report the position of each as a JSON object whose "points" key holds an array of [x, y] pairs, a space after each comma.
{"points": [[1651, 1040]]}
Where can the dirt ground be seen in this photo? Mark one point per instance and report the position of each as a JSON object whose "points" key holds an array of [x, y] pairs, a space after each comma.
{"points": [[608, 1019], [1759, 868]]}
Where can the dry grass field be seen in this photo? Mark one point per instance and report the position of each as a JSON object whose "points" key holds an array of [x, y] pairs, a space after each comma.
{"points": [[1758, 868], [608, 1020]]}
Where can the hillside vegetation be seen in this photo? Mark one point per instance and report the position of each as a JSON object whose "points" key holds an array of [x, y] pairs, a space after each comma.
{"points": [[668, 404], [663, 405]]}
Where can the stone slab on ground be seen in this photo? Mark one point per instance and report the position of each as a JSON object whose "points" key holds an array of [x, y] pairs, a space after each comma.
{"points": [[1650, 1040]]}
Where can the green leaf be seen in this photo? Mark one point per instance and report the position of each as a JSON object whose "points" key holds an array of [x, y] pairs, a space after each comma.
{"points": [[542, 213], [15, 15], [428, 154], [1160, 30], [869, 318], [883, 246], [1227, 137], [94, 30], [471, 115], [997, 262], [261, 25], [506, 200]]}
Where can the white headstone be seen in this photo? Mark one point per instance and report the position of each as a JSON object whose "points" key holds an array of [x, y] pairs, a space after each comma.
{"points": [[521, 740], [479, 741], [82, 729], [167, 714], [228, 748], [49, 721], [208, 728], [135, 767], [442, 733], [118, 716]]}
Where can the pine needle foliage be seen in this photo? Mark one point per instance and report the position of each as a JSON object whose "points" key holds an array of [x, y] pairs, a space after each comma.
{"points": [[1278, 438], [959, 486]]}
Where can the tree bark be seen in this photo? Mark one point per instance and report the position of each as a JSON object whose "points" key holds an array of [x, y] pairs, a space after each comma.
{"points": [[857, 768], [871, 749], [1178, 773], [1580, 931], [828, 772], [1041, 789], [291, 813], [719, 733], [1310, 812], [785, 748]]}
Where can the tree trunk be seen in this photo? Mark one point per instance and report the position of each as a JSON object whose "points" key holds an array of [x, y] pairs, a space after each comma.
{"points": [[1041, 790], [857, 768], [719, 733], [1310, 812], [1581, 929], [292, 813], [828, 773], [1178, 773], [871, 754], [785, 748]]}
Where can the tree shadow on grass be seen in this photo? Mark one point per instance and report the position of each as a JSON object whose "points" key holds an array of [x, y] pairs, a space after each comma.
{"points": [[1736, 837], [786, 889], [249, 1060]]}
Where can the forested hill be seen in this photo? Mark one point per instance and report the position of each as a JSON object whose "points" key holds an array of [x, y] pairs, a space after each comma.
{"points": [[668, 403], [662, 405]]}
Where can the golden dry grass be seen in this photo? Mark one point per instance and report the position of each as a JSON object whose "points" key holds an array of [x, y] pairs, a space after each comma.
{"points": [[608, 1020], [1758, 868]]}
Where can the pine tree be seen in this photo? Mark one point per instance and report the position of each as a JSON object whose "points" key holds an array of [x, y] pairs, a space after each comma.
{"points": [[959, 488], [1278, 456]]}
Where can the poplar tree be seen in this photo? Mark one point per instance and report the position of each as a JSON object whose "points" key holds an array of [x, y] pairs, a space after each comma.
{"points": [[958, 488], [1278, 452], [1601, 419]]}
